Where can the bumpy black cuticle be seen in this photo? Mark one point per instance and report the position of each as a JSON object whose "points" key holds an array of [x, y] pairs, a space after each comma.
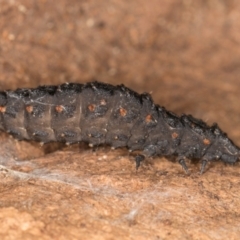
{"points": [[100, 113]]}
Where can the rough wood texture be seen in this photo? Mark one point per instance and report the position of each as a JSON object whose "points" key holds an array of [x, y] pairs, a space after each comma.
{"points": [[186, 53]]}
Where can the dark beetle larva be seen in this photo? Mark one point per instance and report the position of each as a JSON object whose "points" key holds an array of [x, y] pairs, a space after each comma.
{"points": [[100, 113]]}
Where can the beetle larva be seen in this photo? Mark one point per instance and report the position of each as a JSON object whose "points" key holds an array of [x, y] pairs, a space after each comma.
{"points": [[99, 113]]}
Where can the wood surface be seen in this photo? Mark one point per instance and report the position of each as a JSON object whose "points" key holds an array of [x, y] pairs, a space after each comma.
{"points": [[186, 53]]}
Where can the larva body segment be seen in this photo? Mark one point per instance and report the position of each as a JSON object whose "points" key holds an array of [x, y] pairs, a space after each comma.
{"points": [[38, 113], [100, 113], [66, 113], [97, 106], [13, 119], [125, 115]]}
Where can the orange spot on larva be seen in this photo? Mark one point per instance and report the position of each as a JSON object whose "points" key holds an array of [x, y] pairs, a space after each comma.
{"points": [[59, 108], [29, 108], [2, 109], [174, 135], [123, 112], [206, 141], [148, 118], [103, 102], [91, 107]]}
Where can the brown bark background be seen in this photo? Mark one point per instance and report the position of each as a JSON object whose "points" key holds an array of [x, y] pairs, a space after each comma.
{"points": [[187, 53]]}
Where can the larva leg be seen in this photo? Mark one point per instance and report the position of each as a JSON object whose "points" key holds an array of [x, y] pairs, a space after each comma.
{"points": [[204, 163], [94, 148], [138, 159], [181, 160]]}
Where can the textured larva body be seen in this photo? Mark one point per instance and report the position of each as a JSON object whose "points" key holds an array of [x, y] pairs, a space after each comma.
{"points": [[99, 113]]}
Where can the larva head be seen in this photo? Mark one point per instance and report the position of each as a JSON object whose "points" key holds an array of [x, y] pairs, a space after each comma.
{"points": [[225, 149], [230, 153]]}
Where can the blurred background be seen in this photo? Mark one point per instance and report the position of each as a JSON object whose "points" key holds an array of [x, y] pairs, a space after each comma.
{"points": [[185, 52]]}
